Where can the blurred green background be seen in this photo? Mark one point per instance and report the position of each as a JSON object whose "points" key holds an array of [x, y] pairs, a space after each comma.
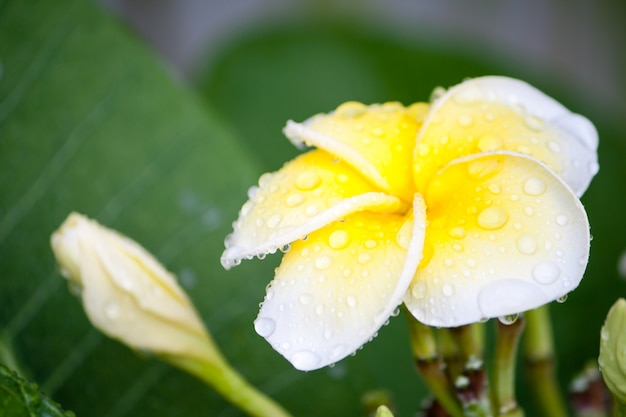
{"points": [[155, 118]]}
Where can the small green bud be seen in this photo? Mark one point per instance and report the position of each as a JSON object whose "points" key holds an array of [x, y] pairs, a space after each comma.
{"points": [[612, 359]]}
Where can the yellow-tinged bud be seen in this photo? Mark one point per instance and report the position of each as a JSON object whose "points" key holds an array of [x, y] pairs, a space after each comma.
{"points": [[127, 294], [612, 358]]}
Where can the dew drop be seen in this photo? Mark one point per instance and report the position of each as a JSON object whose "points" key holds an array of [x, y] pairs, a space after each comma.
{"points": [[308, 180], [351, 301], [534, 186], [419, 290], [465, 120], [371, 244], [294, 200], [546, 272], [508, 319], [312, 210], [554, 146], [305, 360], [534, 123], [319, 310], [305, 299], [264, 326], [562, 299], [363, 258], [495, 188], [338, 351], [492, 218], [339, 239], [323, 262], [457, 232], [490, 143], [378, 132], [526, 244], [274, 220], [423, 149], [561, 219], [448, 290], [350, 109], [403, 238]]}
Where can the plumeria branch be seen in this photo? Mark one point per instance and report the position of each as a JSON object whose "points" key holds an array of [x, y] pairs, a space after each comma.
{"points": [[508, 336], [539, 360]]}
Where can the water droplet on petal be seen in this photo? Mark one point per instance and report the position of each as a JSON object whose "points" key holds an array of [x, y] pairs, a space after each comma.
{"points": [[363, 258], [312, 210], [370, 244], [273, 221], [526, 244], [534, 123], [546, 272], [465, 120], [323, 262], [492, 218], [508, 319], [294, 200], [264, 326], [305, 360], [534, 186], [305, 299], [339, 239], [448, 290], [562, 299], [308, 180], [405, 234], [490, 143], [457, 232], [351, 109], [351, 301], [419, 290], [561, 219]]}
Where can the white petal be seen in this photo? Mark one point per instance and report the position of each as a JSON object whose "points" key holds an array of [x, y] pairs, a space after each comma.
{"points": [[505, 235], [500, 113], [307, 193], [333, 292]]}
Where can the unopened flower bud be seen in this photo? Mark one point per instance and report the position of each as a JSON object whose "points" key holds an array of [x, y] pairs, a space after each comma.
{"points": [[127, 294], [612, 358]]}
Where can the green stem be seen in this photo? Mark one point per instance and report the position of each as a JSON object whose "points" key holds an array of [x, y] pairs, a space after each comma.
{"points": [[619, 408], [215, 371], [430, 366], [508, 336], [539, 358]]}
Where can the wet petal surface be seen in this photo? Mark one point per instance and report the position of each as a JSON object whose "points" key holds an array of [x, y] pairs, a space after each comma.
{"points": [[377, 140], [305, 195], [334, 291], [504, 235], [500, 113]]}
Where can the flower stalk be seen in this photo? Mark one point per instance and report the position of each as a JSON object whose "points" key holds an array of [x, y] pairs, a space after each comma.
{"points": [[507, 340], [431, 367], [539, 361], [215, 371]]}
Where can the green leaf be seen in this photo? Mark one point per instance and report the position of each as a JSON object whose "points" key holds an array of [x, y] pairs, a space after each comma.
{"points": [[20, 398]]}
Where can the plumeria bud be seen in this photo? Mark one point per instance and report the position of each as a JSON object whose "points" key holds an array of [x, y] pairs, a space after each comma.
{"points": [[127, 294], [612, 358]]}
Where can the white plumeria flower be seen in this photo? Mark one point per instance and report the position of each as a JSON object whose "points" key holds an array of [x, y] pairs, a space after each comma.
{"points": [[465, 210], [127, 294]]}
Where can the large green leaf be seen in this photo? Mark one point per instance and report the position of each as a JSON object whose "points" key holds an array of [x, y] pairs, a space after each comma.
{"points": [[89, 121]]}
